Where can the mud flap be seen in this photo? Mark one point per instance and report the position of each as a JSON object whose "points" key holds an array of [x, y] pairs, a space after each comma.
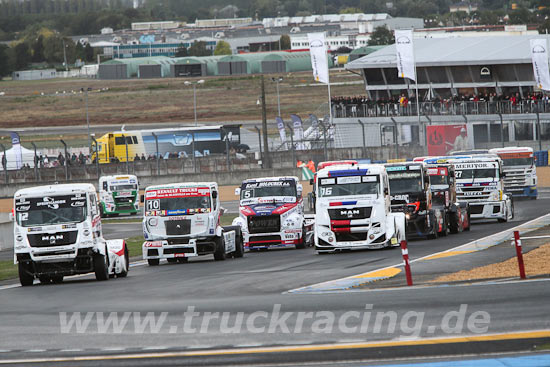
{"points": [[229, 238]]}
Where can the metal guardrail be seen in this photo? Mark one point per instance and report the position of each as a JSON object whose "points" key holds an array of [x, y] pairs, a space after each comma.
{"points": [[387, 109]]}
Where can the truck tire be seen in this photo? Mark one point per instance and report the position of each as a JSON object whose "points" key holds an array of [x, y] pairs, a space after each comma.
{"points": [[124, 272], [454, 224], [219, 254], [301, 245], [101, 267], [57, 279], [239, 252], [153, 262], [25, 276]]}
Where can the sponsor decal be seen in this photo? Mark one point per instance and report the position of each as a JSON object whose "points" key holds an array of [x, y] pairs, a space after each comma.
{"points": [[268, 184], [177, 192], [404, 197], [153, 244], [22, 208], [35, 229], [77, 204], [396, 168], [476, 165], [404, 175]]}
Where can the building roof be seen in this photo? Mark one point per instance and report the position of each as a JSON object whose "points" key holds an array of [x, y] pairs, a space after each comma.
{"points": [[455, 51]]}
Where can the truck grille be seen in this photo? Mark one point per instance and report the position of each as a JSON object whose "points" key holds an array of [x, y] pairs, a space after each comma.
{"points": [[56, 239], [124, 201], [264, 224], [350, 237], [177, 227], [352, 213]]}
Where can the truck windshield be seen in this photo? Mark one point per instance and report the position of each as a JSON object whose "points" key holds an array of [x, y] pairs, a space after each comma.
{"points": [[269, 188], [510, 162], [51, 210], [439, 180], [405, 182], [346, 186], [123, 187], [476, 173]]}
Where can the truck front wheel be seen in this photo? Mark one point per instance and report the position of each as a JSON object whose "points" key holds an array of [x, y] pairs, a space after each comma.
{"points": [[101, 267], [25, 276], [219, 253]]}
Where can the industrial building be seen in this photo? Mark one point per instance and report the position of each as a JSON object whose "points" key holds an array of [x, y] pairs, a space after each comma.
{"points": [[245, 63]]}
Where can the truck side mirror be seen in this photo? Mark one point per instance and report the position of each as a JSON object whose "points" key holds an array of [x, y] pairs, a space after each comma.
{"points": [[142, 198], [386, 191], [11, 216], [311, 182], [214, 194], [299, 190], [237, 191]]}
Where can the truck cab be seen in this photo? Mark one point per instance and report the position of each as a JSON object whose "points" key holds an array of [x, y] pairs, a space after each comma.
{"points": [[353, 209], [118, 195], [182, 220], [411, 194], [443, 186], [479, 181], [271, 213], [57, 232], [520, 178]]}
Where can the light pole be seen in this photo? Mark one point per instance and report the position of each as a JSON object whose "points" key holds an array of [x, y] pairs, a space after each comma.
{"points": [[194, 95], [65, 55], [277, 81], [86, 90]]}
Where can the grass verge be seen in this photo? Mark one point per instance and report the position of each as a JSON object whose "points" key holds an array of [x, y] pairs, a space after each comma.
{"points": [[8, 270]]}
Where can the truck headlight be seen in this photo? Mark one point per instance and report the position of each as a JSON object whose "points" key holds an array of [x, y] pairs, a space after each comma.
{"points": [[86, 232], [289, 223], [19, 238], [153, 222]]}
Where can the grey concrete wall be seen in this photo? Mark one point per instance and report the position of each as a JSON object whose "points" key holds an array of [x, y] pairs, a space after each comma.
{"points": [[6, 235]]}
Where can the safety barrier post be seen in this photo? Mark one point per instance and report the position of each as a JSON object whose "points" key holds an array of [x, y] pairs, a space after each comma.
{"points": [[406, 264], [519, 254]]}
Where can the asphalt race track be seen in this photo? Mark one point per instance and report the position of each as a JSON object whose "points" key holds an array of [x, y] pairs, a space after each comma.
{"points": [[254, 289]]}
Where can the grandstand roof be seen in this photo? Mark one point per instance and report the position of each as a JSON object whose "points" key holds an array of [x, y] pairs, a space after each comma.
{"points": [[488, 50]]}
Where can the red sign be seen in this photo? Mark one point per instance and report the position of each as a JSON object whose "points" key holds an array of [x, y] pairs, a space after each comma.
{"points": [[177, 193], [442, 138]]}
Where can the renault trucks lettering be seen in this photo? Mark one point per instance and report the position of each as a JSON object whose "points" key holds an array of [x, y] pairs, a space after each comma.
{"points": [[353, 209]]}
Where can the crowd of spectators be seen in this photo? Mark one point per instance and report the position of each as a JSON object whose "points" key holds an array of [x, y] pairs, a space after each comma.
{"points": [[362, 106]]}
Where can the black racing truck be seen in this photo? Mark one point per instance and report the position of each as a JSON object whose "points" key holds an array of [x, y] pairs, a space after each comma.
{"points": [[443, 186], [411, 194]]}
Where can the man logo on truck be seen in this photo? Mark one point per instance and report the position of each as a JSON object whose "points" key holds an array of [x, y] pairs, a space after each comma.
{"points": [[350, 213]]}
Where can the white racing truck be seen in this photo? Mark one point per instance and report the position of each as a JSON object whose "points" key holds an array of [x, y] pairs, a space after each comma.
{"points": [[57, 232], [118, 195], [271, 213], [353, 209], [182, 220], [520, 171], [479, 181]]}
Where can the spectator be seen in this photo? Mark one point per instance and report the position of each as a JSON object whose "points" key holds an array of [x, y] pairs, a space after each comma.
{"points": [[136, 158], [143, 157], [61, 159]]}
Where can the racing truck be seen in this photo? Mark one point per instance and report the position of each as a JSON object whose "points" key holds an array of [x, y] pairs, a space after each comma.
{"points": [[479, 181], [57, 233], [271, 213], [118, 195], [411, 194], [443, 186], [520, 171], [182, 220], [353, 209]]}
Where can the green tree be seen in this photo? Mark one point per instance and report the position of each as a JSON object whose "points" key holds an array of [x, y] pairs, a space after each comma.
{"points": [[182, 51], [79, 52], [198, 48], [88, 53], [22, 56], [285, 42], [381, 36], [222, 48], [38, 49], [350, 10], [6, 66]]}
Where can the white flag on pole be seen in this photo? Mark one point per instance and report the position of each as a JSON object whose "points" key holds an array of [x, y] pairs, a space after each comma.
{"points": [[318, 52], [405, 53], [539, 56], [281, 127]]}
